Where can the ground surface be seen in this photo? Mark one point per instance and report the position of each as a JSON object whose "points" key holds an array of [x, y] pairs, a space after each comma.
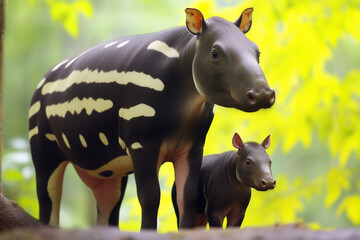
{"points": [[271, 233]]}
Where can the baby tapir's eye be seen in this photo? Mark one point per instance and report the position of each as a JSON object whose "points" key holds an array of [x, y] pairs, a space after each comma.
{"points": [[214, 54]]}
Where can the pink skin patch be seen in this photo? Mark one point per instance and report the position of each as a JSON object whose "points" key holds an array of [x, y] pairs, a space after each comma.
{"points": [[106, 191], [177, 154]]}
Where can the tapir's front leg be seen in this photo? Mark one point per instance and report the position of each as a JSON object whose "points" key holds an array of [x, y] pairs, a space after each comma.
{"points": [[215, 219], [187, 172], [147, 183], [237, 214]]}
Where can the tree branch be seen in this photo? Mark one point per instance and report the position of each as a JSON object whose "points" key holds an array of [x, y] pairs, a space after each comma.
{"points": [[13, 216]]}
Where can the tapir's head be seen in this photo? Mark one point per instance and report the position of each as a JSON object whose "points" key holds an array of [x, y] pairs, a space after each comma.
{"points": [[226, 67], [253, 165]]}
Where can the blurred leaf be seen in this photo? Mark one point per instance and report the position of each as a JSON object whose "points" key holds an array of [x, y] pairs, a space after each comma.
{"points": [[351, 206], [337, 180], [67, 13]]}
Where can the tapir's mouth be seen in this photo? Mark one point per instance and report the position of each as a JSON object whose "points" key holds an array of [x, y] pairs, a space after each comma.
{"points": [[262, 189], [241, 106]]}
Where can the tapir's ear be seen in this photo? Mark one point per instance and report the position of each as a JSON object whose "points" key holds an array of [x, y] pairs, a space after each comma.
{"points": [[266, 142], [194, 21], [245, 20], [237, 142]]}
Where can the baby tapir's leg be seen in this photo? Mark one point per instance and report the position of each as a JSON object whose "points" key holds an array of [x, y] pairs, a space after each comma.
{"points": [[108, 194], [237, 214], [49, 167], [215, 219]]}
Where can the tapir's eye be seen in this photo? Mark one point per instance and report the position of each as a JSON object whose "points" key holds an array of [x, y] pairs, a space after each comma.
{"points": [[214, 54], [248, 162]]}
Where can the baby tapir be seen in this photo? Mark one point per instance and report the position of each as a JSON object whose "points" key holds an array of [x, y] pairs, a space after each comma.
{"points": [[131, 104], [226, 180]]}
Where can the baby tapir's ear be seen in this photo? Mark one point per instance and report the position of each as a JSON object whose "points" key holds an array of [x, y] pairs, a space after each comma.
{"points": [[194, 21], [245, 20], [266, 142], [237, 142]]}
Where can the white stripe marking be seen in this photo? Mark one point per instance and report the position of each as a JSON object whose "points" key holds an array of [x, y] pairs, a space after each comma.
{"points": [[140, 110], [123, 44], [136, 145], [122, 143], [77, 105], [110, 44], [41, 83], [33, 132], [103, 139], [34, 109], [59, 65], [83, 141], [66, 140], [87, 76], [50, 136], [164, 49]]}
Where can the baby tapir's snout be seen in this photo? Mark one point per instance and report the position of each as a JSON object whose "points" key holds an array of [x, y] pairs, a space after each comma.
{"points": [[253, 166], [267, 184]]}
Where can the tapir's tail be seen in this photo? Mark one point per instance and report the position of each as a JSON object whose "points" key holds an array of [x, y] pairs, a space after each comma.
{"points": [[176, 208]]}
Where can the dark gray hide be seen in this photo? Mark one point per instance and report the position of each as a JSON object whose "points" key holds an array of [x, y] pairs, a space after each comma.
{"points": [[225, 182], [131, 104]]}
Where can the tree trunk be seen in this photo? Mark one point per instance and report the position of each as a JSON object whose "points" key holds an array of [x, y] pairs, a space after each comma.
{"points": [[11, 214], [2, 28]]}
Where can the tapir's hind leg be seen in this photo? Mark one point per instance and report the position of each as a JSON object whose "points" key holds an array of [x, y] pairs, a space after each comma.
{"points": [[114, 216], [108, 194], [174, 202], [49, 168], [147, 184]]}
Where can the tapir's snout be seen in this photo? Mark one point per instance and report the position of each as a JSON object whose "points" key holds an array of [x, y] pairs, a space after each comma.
{"points": [[263, 98], [266, 184]]}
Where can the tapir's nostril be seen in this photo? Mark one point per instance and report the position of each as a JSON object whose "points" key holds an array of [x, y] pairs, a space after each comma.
{"points": [[251, 97], [272, 97], [274, 183], [263, 183]]}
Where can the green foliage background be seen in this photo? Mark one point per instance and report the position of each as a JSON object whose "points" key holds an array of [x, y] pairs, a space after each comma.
{"points": [[310, 54]]}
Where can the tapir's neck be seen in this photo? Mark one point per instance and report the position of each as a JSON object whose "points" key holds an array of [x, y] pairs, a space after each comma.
{"points": [[188, 54], [194, 101], [230, 170]]}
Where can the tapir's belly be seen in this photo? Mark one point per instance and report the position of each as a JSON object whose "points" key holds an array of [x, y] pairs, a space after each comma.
{"points": [[116, 168], [99, 142]]}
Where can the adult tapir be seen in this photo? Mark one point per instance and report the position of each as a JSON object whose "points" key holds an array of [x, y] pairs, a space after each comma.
{"points": [[131, 104]]}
